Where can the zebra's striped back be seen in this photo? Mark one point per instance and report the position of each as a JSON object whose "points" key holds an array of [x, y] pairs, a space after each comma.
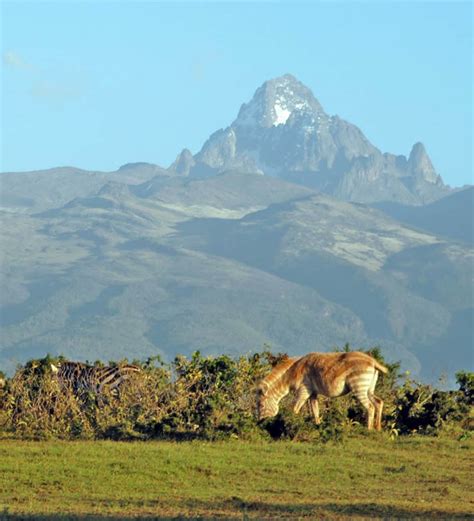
{"points": [[334, 374], [82, 377]]}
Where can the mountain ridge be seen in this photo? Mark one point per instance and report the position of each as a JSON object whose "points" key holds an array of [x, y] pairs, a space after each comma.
{"points": [[283, 131]]}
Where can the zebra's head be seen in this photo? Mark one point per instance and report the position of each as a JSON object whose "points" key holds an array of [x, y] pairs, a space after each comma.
{"points": [[267, 407]]}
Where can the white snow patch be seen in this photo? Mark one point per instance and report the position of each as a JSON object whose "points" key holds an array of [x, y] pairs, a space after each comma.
{"points": [[281, 115]]}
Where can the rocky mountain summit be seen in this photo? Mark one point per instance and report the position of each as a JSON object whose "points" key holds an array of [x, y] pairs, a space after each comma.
{"points": [[284, 132]]}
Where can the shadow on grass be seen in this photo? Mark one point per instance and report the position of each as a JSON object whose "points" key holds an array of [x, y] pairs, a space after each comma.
{"points": [[237, 508]]}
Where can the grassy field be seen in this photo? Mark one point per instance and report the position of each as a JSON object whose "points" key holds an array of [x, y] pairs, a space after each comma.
{"points": [[364, 477]]}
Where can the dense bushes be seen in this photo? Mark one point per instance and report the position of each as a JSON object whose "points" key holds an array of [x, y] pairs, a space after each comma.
{"points": [[214, 398]]}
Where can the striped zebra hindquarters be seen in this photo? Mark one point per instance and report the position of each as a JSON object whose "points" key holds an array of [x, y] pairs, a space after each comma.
{"points": [[361, 382], [111, 378], [86, 381]]}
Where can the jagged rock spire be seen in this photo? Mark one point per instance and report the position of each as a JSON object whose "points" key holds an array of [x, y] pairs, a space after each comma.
{"points": [[183, 163], [420, 165]]}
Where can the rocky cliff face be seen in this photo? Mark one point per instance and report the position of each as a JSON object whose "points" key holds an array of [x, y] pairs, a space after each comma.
{"points": [[284, 132]]}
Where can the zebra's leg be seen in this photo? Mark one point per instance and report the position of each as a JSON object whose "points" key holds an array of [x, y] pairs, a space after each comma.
{"points": [[376, 402], [302, 395], [370, 414], [378, 405], [361, 383], [314, 405], [363, 398]]}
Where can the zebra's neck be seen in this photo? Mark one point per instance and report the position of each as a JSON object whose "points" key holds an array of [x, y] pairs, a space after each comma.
{"points": [[278, 386], [278, 392]]}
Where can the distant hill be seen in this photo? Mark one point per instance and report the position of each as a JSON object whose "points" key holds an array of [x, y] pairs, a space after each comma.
{"points": [[403, 284], [452, 216], [107, 276], [161, 268], [42, 189], [230, 194]]}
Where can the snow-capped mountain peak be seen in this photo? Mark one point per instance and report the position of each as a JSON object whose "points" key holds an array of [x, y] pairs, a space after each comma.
{"points": [[284, 132], [275, 101]]}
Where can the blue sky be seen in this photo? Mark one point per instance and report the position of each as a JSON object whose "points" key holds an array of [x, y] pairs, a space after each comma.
{"points": [[99, 84]]}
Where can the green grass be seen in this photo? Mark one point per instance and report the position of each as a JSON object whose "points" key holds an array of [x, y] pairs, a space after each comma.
{"points": [[365, 477]]}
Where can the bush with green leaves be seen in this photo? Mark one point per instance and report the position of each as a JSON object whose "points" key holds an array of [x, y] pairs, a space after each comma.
{"points": [[212, 397], [466, 386], [423, 409]]}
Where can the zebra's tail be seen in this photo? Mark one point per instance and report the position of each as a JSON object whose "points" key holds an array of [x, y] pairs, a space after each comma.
{"points": [[380, 367]]}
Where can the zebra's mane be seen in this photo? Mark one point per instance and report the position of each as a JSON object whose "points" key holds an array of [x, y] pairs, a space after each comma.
{"points": [[275, 378], [72, 364]]}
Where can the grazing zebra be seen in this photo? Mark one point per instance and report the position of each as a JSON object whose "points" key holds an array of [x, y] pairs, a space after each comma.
{"points": [[82, 377], [326, 374]]}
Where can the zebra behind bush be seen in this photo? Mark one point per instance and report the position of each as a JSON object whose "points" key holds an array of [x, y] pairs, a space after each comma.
{"points": [[80, 377], [325, 374]]}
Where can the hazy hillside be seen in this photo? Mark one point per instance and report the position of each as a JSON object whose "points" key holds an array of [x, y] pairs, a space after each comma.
{"points": [[136, 270], [107, 275], [230, 194], [42, 189], [406, 286], [452, 216]]}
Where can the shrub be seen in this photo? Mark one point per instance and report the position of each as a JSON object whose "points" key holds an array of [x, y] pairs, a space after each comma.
{"points": [[215, 397], [465, 381], [423, 409]]}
